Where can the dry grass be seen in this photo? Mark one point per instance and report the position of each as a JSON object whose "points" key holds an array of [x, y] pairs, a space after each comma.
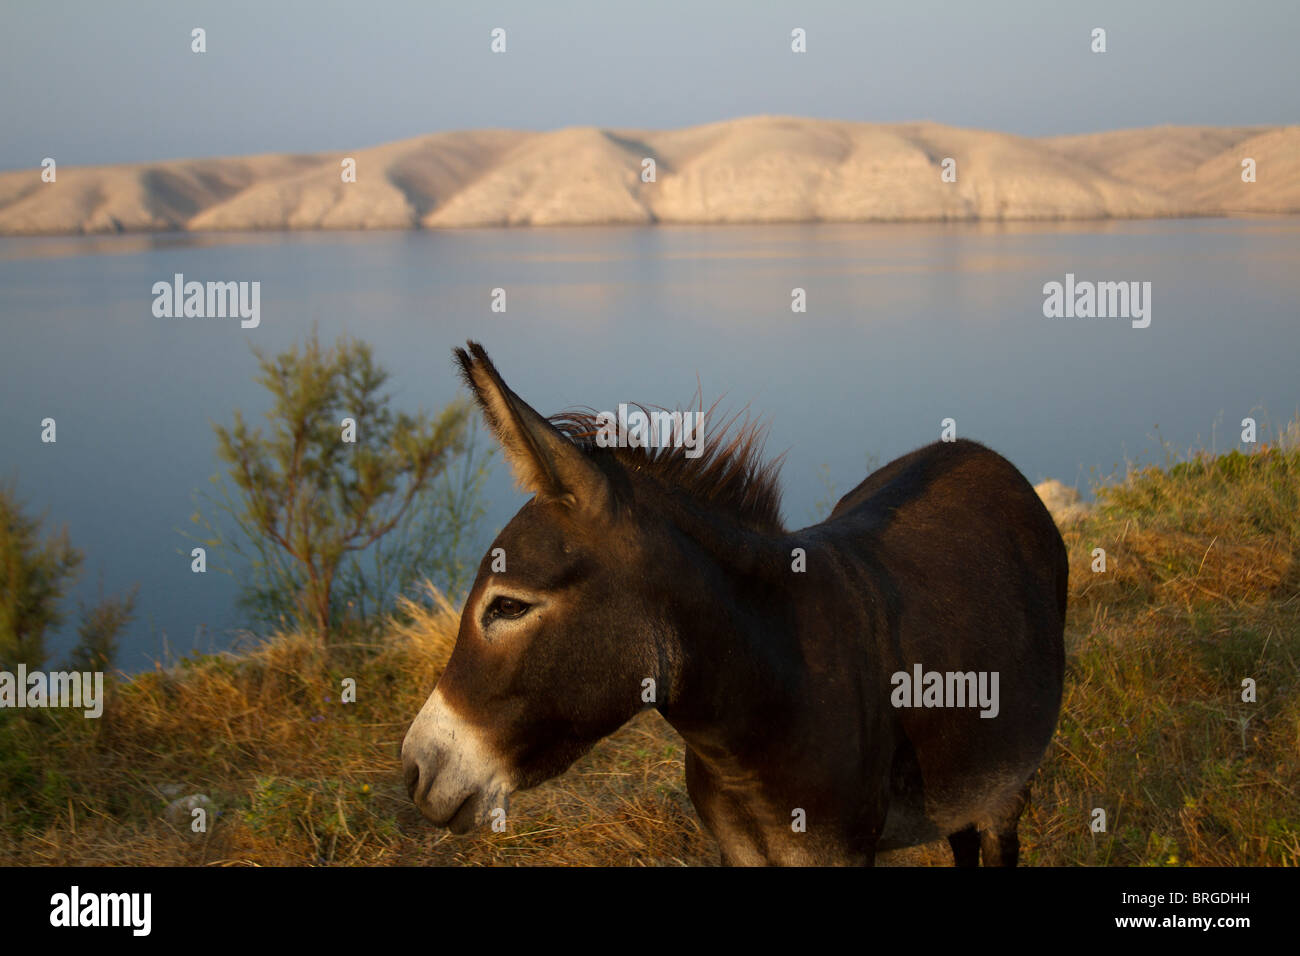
{"points": [[1202, 589]]}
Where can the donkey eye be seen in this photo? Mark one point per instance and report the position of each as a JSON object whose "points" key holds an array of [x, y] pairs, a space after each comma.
{"points": [[508, 608]]}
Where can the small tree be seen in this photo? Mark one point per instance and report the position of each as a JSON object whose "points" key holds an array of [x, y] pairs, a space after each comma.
{"points": [[314, 508], [34, 576], [97, 634], [428, 545]]}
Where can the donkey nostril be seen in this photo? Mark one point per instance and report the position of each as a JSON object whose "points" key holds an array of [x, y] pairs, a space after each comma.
{"points": [[412, 778]]}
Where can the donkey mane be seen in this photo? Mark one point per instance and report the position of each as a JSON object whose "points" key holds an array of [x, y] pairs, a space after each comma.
{"points": [[729, 474]]}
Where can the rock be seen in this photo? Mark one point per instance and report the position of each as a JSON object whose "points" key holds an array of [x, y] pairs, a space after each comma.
{"points": [[1062, 501], [180, 813]]}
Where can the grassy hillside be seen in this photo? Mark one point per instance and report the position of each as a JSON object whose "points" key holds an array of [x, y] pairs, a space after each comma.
{"points": [[1201, 590]]}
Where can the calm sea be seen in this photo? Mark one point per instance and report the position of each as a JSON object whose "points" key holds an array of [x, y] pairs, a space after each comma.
{"points": [[905, 325]]}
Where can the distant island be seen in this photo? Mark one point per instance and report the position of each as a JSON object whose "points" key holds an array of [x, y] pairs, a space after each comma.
{"points": [[751, 170]]}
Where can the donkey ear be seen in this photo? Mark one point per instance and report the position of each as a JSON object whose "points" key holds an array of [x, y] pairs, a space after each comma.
{"points": [[544, 461]]}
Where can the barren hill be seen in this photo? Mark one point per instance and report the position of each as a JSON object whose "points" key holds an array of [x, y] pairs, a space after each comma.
{"points": [[755, 169]]}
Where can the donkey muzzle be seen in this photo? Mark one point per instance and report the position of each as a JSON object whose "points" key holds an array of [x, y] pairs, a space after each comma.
{"points": [[451, 771]]}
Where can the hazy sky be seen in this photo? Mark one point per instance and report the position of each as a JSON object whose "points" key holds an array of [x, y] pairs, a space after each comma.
{"points": [[98, 82]]}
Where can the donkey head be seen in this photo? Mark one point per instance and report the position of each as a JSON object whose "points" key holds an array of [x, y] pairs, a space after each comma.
{"points": [[556, 635]]}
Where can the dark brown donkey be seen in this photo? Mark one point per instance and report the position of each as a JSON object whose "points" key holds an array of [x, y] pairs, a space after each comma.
{"points": [[886, 678]]}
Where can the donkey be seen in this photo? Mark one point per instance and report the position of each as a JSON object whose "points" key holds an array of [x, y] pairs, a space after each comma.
{"points": [[638, 578]]}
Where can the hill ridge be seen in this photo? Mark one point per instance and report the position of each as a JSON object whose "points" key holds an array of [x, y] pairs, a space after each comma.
{"points": [[750, 169]]}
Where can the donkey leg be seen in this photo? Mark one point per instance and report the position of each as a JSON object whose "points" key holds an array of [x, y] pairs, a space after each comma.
{"points": [[1000, 847], [965, 847], [1000, 842]]}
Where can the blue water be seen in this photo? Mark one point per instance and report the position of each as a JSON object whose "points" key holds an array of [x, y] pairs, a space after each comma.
{"points": [[906, 325]]}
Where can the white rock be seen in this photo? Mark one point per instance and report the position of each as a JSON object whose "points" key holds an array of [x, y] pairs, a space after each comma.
{"points": [[180, 813], [1062, 501]]}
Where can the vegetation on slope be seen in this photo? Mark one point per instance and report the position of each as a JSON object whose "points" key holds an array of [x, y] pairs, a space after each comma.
{"points": [[1201, 591]]}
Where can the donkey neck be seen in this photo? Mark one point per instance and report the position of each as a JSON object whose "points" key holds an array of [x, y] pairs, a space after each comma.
{"points": [[731, 649]]}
